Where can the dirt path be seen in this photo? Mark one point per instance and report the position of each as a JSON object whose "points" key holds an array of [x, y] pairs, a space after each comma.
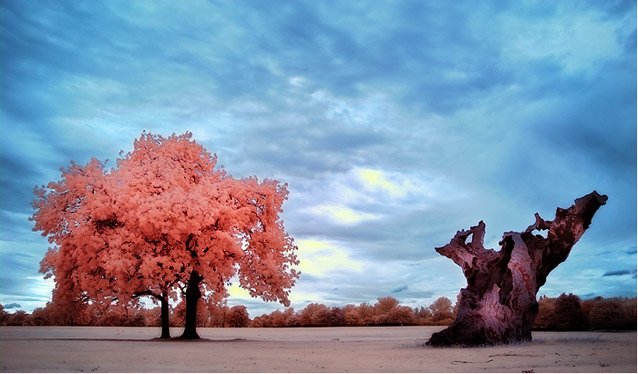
{"points": [[387, 349]]}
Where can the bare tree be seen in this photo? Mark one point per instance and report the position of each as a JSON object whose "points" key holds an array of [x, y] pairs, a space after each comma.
{"points": [[499, 303]]}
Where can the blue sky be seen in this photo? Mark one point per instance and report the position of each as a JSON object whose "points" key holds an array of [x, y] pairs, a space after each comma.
{"points": [[395, 124]]}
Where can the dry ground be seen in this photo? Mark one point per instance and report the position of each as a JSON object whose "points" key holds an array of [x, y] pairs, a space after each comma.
{"points": [[372, 349]]}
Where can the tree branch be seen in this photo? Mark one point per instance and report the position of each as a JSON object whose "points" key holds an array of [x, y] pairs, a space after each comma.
{"points": [[469, 256]]}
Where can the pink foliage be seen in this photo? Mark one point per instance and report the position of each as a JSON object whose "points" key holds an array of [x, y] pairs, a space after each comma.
{"points": [[163, 212]]}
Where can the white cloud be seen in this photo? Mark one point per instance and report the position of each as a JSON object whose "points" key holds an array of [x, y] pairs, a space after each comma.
{"points": [[394, 185], [342, 214], [235, 291], [579, 41], [297, 81], [320, 257]]}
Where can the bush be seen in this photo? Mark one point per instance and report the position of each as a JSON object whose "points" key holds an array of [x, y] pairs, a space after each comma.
{"points": [[568, 314]]}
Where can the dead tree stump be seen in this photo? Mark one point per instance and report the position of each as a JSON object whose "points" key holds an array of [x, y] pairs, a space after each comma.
{"points": [[499, 305]]}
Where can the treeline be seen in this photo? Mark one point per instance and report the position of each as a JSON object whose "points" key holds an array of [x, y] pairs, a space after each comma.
{"points": [[564, 313], [208, 315], [568, 313], [385, 312]]}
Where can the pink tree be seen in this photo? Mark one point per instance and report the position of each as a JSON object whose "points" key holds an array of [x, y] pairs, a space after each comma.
{"points": [[166, 219], [63, 216]]}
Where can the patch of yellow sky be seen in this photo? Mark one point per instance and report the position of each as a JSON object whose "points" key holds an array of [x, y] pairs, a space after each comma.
{"points": [[318, 257], [370, 181], [343, 214], [377, 180]]}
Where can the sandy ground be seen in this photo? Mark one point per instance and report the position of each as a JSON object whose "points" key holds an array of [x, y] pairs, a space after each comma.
{"points": [[372, 349]]}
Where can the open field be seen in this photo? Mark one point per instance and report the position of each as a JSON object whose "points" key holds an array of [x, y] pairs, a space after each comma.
{"points": [[371, 349]]}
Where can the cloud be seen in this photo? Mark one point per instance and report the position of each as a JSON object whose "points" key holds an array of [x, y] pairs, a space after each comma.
{"points": [[320, 257], [378, 180], [12, 306], [342, 214], [579, 42], [615, 273], [393, 123], [578, 273], [399, 289]]}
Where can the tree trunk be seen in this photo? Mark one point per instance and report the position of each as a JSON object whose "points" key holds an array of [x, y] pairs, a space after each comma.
{"points": [[166, 332], [193, 294], [499, 306]]}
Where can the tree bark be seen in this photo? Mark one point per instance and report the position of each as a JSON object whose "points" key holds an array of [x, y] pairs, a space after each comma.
{"points": [[499, 305], [164, 311], [166, 332], [193, 294]]}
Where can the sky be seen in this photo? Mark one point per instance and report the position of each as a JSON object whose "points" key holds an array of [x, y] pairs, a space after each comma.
{"points": [[394, 124]]}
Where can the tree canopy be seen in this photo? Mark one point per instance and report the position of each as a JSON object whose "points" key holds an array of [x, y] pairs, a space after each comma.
{"points": [[164, 219]]}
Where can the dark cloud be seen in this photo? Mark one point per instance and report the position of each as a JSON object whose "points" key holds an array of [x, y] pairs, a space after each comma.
{"points": [[305, 150], [399, 289], [616, 273], [12, 306]]}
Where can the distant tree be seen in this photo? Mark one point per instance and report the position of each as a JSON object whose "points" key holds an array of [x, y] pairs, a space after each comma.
{"points": [[400, 316], [587, 304], [388, 312], [123, 315], [545, 319], [366, 313], [563, 313], [164, 219], [629, 313], [261, 321], [336, 317], [19, 318], [152, 317], [385, 305], [442, 311], [568, 314], [314, 315], [56, 312], [39, 317], [213, 314], [291, 319], [287, 318], [351, 316], [607, 314], [423, 316], [210, 313], [238, 317], [3, 315], [277, 319]]}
